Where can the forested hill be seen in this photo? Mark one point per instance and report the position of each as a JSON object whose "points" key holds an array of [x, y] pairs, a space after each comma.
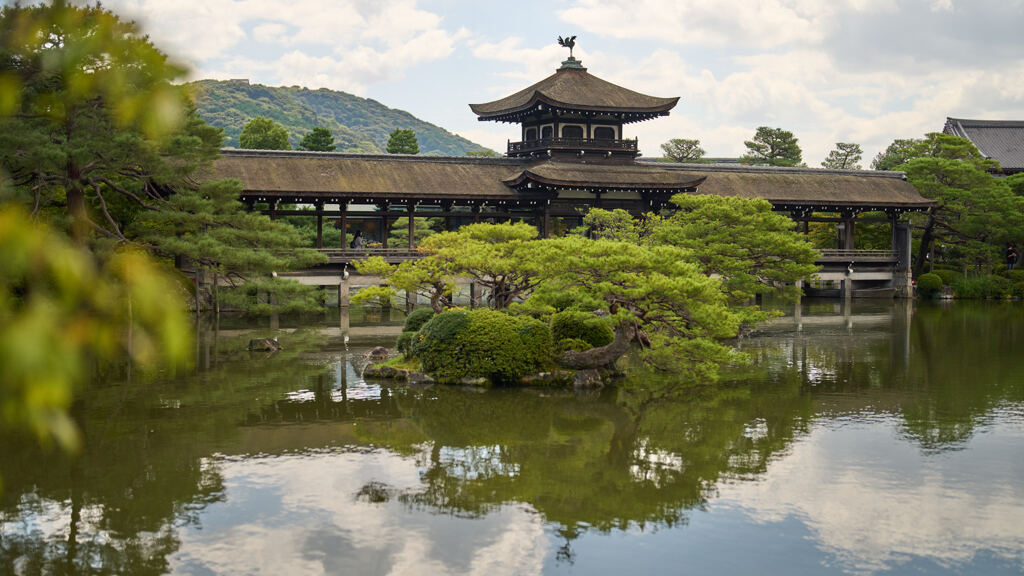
{"points": [[359, 124]]}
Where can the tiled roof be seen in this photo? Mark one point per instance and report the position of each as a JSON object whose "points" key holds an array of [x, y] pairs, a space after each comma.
{"points": [[332, 177], [575, 89], [1000, 140], [810, 188], [567, 175]]}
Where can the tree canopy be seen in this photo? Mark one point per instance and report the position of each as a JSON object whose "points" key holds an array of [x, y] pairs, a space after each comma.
{"points": [[319, 139], [403, 142], [92, 117], [91, 133], [679, 281], [263, 133], [682, 150], [772, 147], [977, 214], [845, 156]]}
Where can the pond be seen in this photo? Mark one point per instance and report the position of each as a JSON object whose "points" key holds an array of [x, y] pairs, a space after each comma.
{"points": [[874, 438]]}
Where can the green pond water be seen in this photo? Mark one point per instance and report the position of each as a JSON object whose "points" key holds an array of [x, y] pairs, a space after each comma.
{"points": [[879, 438]]}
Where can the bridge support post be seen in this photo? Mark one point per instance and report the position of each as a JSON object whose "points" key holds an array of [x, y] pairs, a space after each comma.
{"points": [[901, 275], [410, 301], [798, 307], [319, 224], [343, 293], [474, 295], [343, 208]]}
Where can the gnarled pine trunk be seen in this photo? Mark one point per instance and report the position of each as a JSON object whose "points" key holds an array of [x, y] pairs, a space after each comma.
{"points": [[603, 356]]}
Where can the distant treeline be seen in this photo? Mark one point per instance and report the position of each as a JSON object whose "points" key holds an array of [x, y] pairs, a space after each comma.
{"points": [[360, 125]]}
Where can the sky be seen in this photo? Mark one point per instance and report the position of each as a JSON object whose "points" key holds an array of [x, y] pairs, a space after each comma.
{"points": [[863, 71]]}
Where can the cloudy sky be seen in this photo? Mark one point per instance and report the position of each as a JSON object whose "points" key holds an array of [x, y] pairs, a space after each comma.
{"points": [[864, 71]]}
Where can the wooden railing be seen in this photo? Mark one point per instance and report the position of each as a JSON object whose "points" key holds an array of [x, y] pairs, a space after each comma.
{"points": [[834, 255], [392, 255], [395, 255], [571, 143]]}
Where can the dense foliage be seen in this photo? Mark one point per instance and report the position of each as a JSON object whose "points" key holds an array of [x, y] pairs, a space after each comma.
{"points": [[772, 147], [262, 133], [359, 125], [929, 284], [682, 150], [402, 142], [320, 139], [576, 325], [845, 156], [977, 214], [482, 343]]}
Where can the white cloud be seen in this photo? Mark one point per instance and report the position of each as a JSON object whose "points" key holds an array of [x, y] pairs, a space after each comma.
{"points": [[765, 23], [875, 507], [346, 45], [295, 514]]}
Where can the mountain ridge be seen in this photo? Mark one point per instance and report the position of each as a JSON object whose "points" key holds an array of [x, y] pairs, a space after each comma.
{"points": [[360, 125]]}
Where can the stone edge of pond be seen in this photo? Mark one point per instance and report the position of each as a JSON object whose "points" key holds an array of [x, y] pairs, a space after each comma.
{"points": [[560, 378]]}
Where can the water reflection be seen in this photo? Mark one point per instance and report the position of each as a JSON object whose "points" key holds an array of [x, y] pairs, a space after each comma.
{"points": [[878, 438]]}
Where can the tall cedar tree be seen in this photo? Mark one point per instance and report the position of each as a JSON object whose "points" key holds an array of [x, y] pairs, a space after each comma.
{"points": [[845, 156], [263, 133], [319, 139], [772, 147], [403, 142]]}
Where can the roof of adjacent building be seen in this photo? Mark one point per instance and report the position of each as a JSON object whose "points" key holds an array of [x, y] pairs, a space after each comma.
{"points": [[330, 177], [573, 88], [573, 175], [370, 177], [808, 188], [1000, 140]]}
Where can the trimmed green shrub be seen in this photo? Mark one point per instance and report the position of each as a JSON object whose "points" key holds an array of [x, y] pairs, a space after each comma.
{"points": [[468, 344], [981, 287], [566, 344], [1015, 275], [405, 340], [949, 277], [581, 326], [1018, 290], [929, 284], [417, 318]]}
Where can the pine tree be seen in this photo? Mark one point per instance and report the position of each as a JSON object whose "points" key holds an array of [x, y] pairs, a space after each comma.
{"points": [[263, 133], [846, 156], [320, 139], [773, 147], [403, 142]]}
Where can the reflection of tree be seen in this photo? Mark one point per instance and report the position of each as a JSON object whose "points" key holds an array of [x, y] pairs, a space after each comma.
{"points": [[965, 361], [144, 469], [591, 463], [942, 369]]}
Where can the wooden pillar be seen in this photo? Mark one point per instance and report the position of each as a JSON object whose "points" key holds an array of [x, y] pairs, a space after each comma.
{"points": [[273, 209], [546, 222], [446, 212], [343, 293], [848, 233], [384, 224], [412, 227], [343, 224], [474, 295], [476, 213], [319, 224]]}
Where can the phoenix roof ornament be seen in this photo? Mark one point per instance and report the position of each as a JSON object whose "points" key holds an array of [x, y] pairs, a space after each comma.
{"points": [[569, 42]]}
